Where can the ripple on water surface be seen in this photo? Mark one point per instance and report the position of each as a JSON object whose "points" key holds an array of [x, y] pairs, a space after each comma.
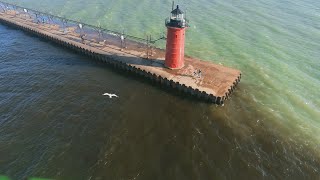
{"points": [[56, 123]]}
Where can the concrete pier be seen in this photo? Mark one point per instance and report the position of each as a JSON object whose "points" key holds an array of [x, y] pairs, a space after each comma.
{"points": [[215, 85]]}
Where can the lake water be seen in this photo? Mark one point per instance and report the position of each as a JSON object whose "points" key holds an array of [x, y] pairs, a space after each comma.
{"points": [[55, 123]]}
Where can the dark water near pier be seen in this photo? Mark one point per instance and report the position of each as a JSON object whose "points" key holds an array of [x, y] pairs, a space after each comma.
{"points": [[55, 123]]}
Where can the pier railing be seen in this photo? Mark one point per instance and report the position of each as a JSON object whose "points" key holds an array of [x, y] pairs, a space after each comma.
{"points": [[120, 39]]}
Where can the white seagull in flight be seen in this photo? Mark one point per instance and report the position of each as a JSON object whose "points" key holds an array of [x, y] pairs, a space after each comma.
{"points": [[110, 95]]}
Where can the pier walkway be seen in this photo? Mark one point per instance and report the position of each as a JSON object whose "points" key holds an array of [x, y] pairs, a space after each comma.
{"points": [[215, 84]]}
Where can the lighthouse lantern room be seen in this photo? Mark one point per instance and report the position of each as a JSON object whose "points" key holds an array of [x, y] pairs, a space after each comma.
{"points": [[176, 26]]}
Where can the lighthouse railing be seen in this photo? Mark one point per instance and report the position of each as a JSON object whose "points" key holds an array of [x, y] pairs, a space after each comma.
{"points": [[177, 23]]}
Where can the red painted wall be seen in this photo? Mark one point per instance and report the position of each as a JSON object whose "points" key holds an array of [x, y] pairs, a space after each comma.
{"points": [[175, 48]]}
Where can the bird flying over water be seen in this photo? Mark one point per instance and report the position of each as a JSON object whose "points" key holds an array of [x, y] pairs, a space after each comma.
{"points": [[110, 95]]}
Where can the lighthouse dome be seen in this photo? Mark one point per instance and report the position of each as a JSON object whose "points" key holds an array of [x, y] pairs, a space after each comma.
{"points": [[177, 11], [177, 19]]}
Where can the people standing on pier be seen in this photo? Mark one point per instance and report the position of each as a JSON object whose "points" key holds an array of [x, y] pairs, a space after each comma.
{"points": [[198, 73], [82, 38]]}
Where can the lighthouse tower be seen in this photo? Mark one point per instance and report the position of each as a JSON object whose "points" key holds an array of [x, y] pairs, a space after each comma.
{"points": [[176, 26]]}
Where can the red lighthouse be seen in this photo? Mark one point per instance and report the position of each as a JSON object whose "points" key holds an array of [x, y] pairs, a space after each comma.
{"points": [[176, 26]]}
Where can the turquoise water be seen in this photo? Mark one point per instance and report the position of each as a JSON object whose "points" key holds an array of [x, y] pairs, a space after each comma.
{"points": [[276, 45]]}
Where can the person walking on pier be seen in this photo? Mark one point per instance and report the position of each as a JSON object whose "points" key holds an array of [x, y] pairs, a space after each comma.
{"points": [[199, 73]]}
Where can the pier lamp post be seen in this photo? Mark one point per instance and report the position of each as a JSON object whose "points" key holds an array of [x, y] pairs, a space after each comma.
{"points": [[2, 8], [176, 26]]}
